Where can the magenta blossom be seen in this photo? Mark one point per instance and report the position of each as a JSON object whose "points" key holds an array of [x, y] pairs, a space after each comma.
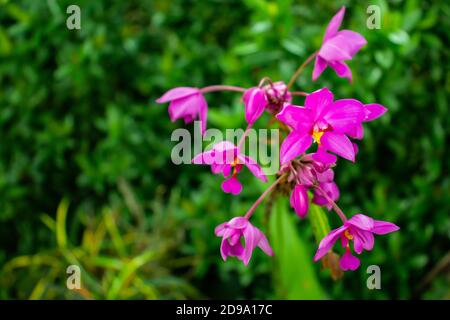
{"points": [[226, 158], [277, 94], [255, 102], [186, 103], [337, 47], [324, 121], [312, 174], [231, 233], [299, 200], [270, 96], [359, 229]]}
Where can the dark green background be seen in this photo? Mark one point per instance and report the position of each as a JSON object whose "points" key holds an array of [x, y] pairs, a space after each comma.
{"points": [[80, 131]]}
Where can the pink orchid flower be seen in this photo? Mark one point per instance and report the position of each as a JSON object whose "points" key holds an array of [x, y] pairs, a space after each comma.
{"points": [[186, 103], [324, 121], [277, 93], [231, 233], [310, 174], [337, 46], [255, 102], [226, 158], [359, 229]]}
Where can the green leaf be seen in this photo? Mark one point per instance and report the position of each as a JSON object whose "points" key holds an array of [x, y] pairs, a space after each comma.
{"points": [[61, 214], [128, 271], [5, 43], [294, 274], [319, 222]]}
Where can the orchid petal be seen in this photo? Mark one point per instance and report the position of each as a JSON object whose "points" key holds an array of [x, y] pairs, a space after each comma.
{"points": [[349, 262], [319, 101], [331, 50], [344, 114], [251, 237], [361, 221], [220, 229], [298, 118], [224, 249], [374, 111], [184, 108], [253, 166], [356, 132], [226, 170], [341, 69], [339, 144], [264, 245], [295, 144], [206, 157], [383, 227], [324, 157], [238, 223], [355, 147], [232, 186], [320, 65], [236, 250], [177, 93], [350, 40], [334, 24], [343, 46], [327, 243], [363, 240], [326, 176], [369, 240], [255, 102], [299, 200], [223, 146], [357, 244]]}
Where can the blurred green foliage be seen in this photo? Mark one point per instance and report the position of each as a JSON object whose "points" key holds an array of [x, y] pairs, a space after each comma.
{"points": [[79, 125]]}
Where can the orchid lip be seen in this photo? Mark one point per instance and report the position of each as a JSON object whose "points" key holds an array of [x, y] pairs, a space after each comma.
{"points": [[317, 135]]}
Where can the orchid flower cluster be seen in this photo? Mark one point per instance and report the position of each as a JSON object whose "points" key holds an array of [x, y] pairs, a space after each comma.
{"points": [[331, 124]]}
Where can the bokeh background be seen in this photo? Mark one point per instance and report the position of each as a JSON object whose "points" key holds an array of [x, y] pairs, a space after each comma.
{"points": [[85, 170]]}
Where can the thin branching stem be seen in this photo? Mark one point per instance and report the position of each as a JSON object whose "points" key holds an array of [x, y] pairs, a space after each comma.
{"points": [[336, 208], [262, 196], [221, 88], [300, 69]]}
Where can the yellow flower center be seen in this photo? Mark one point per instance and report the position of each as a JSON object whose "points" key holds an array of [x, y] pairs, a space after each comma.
{"points": [[348, 235], [317, 135], [233, 165]]}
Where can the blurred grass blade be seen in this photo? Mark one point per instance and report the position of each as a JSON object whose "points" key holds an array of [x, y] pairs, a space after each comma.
{"points": [[319, 222], [148, 290], [49, 222], [27, 261], [61, 215], [5, 43], [294, 274], [127, 271], [106, 262], [111, 226]]}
